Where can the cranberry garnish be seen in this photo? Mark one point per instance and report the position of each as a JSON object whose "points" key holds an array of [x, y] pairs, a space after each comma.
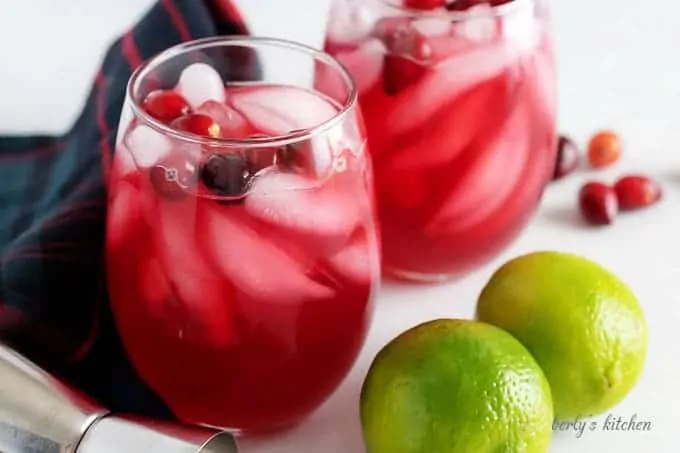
{"points": [[165, 105], [568, 157], [199, 124], [172, 176], [604, 149], [401, 38], [598, 203], [637, 191], [226, 174], [424, 4], [400, 72]]}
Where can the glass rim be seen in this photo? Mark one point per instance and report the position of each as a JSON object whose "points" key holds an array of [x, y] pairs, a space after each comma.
{"points": [[465, 15], [143, 71]]}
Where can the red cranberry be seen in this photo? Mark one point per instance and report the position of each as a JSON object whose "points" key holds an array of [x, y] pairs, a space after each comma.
{"points": [[173, 176], [400, 38], [637, 191], [598, 203], [568, 157], [165, 105], [226, 174], [400, 72], [604, 149], [199, 124], [424, 4]]}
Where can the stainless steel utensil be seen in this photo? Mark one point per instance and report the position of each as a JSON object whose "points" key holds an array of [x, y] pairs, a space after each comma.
{"points": [[40, 414]]}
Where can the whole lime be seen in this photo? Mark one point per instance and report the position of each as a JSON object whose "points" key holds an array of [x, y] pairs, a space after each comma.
{"points": [[582, 324], [456, 386]]}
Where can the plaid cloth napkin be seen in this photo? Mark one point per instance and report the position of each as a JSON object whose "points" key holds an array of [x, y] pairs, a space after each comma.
{"points": [[53, 303]]}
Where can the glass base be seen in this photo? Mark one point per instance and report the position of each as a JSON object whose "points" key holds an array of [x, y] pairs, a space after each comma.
{"points": [[417, 277]]}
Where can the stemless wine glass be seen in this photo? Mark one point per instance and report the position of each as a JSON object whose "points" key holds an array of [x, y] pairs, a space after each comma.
{"points": [[459, 99], [241, 239]]}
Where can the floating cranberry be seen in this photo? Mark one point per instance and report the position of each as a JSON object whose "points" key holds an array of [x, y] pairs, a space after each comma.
{"points": [[199, 124], [400, 37], [399, 73], [568, 157], [424, 4], [598, 203], [637, 191], [226, 174], [604, 149], [173, 176], [165, 105]]}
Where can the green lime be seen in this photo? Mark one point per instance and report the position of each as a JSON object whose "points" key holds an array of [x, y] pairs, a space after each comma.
{"points": [[456, 386], [583, 325]]}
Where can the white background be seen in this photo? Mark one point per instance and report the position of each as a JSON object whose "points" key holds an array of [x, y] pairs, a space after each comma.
{"points": [[618, 68]]}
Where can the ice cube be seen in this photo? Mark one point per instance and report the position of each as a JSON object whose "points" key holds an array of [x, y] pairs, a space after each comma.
{"points": [[200, 82], [124, 163], [451, 131], [480, 27], [232, 123], [154, 287], [432, 26], [357, 262], [147, 146], [351, 21], [254, 264], [365, 64], [200, 296], [521, 28], [490, 179], [452, 77], [278, 110], [124, 217], [288, 201]]}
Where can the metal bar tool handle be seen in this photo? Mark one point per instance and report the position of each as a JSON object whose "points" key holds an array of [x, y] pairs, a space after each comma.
{"points": [[40, 414]]}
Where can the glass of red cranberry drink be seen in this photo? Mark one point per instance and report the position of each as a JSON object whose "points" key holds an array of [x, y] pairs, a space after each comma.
{"points": [[459, 102], [241, 242]]}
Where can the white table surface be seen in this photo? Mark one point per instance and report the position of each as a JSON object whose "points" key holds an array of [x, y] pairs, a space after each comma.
{"points": [[619, 68]]}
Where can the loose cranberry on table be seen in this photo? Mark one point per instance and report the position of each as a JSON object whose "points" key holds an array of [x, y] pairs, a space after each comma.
{"points": [[568, 157], [598, 203], [199, 124], [165, 105], [604, 149], [637, 191]]}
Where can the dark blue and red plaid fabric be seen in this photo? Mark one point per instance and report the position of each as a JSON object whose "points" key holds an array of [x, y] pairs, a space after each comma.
{"points": [[53, 304]]}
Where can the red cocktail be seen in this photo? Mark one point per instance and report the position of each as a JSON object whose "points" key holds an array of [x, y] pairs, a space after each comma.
{"points": [[459, 100], [242, 251]]}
